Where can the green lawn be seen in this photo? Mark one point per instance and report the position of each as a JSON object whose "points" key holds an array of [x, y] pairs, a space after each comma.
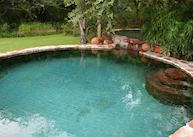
{"points": [[8, 44]]}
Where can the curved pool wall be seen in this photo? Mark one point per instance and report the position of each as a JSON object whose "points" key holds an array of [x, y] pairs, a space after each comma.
{"points": [[183, 65], [140, 115]]}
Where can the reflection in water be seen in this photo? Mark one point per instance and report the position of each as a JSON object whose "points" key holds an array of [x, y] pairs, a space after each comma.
{"points": [[82, 60], [3, 72], [35, 125], [98, 59]]}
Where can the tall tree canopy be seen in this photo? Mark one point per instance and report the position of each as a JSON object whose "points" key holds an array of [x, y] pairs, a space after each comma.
{"points": [[16, 11]]}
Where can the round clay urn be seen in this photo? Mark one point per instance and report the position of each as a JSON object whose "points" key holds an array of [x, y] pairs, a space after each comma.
{"points": [[157, 50], [145, 47], [95, 40]]}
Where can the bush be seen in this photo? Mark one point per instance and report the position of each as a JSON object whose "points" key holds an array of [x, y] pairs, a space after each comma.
{"points": [[70, 29], [36, 29], [175, 36], [4, 28]]}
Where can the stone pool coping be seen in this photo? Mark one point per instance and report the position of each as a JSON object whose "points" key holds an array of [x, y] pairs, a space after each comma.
{"points": [[185, 66], [27, 51]]}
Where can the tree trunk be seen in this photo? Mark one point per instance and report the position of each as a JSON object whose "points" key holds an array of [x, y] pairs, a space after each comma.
{"points": [[82, 24], [99, 29]]}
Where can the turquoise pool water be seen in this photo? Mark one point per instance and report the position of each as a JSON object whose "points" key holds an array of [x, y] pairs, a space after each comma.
{"points": [[82, 97]]}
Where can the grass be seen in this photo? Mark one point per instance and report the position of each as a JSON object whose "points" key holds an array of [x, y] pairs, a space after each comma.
{"points": [[9, 44]]}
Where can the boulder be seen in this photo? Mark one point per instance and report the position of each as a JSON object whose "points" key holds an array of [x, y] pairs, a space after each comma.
{"points": [[135, 41], [120, 41]]}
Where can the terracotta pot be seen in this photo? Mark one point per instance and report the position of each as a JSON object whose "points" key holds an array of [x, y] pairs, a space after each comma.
{"points": [[95, 40], [145, 47], [157, 50]]}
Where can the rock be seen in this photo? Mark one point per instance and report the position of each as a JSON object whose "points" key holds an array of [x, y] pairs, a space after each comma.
{"points": [[135, 41], [120, 41], [145, 47], [168, 90], [95, 40]]}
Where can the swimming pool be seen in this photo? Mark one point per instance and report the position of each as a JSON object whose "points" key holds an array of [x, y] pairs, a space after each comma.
{"points": [[79, 94]]}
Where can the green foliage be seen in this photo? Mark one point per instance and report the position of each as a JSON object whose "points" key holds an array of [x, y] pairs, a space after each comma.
{"points": [[31, 29], [169, 28], [15, 12], [35, 28], [4, 28], [70, 29], [94, 11]]}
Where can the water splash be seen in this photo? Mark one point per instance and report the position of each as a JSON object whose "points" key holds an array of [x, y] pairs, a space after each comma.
{"points": [[33, 126], [133, 97]]}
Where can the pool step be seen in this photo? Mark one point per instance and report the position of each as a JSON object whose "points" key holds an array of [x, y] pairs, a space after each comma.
{"points": [[176, 90]]}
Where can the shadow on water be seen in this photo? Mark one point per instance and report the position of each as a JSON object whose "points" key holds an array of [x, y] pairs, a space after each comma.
{"points": [[3, 72]]}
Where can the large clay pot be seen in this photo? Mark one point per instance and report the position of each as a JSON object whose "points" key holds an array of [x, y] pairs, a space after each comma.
{"points": [[157, 50], [145, 47], [95, 40]]}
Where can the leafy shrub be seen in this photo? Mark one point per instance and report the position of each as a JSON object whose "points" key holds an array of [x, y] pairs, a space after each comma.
{"points": [[174, 35], [36, 29], [70, 29], [4, 28]]}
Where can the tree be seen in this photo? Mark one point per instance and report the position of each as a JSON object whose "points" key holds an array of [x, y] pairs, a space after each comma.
{"points": [[101, 12], [17, 11], [78, 15]]}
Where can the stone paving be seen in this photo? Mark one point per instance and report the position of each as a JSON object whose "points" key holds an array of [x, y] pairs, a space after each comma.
{"points": [[55, 48], [185, 131]]}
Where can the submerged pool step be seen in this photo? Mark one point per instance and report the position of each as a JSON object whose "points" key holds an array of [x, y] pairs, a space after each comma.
{"points": [[170, 90]]}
